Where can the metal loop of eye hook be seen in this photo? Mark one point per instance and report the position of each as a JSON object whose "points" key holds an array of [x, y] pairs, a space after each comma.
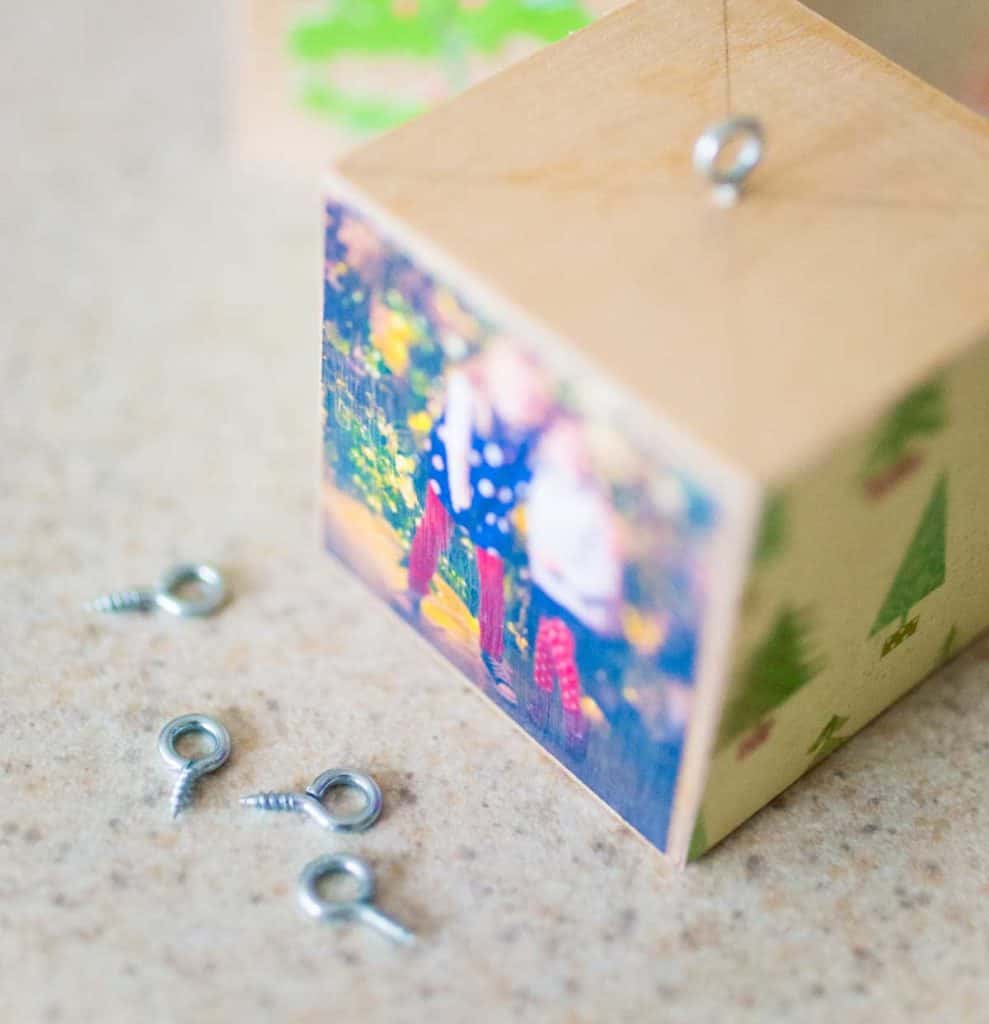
{"points": [[357, 821], [359, 907], [182, 726], [728, 182], [210, 579]]}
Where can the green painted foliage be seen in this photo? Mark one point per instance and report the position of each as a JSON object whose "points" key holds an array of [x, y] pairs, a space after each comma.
{"points": [[698, 841], [829, 740], [775, 670], [771, 537], [920, 414], [923, 567]]}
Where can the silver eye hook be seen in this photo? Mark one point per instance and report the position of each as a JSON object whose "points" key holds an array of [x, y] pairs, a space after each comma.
{"points": [[728, 182], [192, 769], [167, 594], [310, 802], [359, 907]]}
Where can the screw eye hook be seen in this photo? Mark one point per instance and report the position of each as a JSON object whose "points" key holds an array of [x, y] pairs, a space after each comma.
{"points": [[167, 594], [359, 907], [310, 802], [192, 769], [748, 134]]}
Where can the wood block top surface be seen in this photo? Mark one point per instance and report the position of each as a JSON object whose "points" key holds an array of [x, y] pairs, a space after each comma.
{"points": [[857, 261]]}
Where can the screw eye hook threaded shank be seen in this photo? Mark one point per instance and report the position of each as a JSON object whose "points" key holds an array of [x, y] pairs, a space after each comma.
{"points": [[123, 601], [272, 801]]}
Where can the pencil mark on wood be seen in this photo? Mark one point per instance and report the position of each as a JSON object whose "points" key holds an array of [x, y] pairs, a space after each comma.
{"points": [[724, 25]]}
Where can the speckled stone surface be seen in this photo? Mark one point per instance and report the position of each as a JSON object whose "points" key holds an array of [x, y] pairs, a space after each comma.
{"points": [[160, 362]]}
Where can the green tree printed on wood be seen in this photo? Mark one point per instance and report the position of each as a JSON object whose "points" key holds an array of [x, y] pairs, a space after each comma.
{"points": [[445, 32], [771, 537], [922, 569], [828, 740], [893, 456], [698, 841], [779, 666], [770, 541], [948, 646]]}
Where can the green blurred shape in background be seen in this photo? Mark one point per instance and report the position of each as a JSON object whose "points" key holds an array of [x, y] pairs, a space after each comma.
{"points": [[443, 31]]}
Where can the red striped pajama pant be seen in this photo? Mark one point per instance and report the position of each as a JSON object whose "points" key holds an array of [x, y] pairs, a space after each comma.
{"points": [[431, 539], [555, 658]]}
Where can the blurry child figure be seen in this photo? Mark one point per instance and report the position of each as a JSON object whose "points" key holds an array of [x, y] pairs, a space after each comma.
{"points": [[576, 569], [478, 455]]}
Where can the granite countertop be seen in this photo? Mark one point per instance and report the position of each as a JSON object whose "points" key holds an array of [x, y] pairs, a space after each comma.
{"points": [[160, 367]]}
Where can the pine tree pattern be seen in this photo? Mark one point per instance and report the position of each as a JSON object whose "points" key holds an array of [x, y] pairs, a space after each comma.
{"points": [[446, 32], [771, 536], [828, 740], [893, 455], [948, 646], [922, 569], [770, 542], [778, 667], [698, 841]]}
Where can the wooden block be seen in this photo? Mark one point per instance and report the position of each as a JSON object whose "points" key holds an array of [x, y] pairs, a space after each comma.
{"points": [[735, 499]]}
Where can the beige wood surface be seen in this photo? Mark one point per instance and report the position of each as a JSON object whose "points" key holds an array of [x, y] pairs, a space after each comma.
{"points": [[858, 260]]}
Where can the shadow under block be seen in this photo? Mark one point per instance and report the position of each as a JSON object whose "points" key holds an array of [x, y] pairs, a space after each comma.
{"points": [[810, 368]]}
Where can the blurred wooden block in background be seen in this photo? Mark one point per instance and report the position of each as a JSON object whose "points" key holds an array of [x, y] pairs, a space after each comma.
{"points": [[312, 78]]}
